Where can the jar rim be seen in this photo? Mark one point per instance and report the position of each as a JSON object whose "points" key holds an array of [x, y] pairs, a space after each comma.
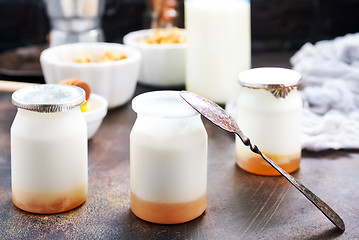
{"points": [[269, 77], [48, 98], [163, 103]]}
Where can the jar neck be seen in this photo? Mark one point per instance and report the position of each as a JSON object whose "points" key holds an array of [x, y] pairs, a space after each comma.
{"points": [[167, 119], [29, 113], [278, 91], [167, 130]]}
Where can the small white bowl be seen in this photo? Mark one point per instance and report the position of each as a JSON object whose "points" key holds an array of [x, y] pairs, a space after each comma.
{"points": [[162, 65], [95, 116], [115, 80]]}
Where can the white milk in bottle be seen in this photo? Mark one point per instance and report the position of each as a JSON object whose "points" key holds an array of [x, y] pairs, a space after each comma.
{"points": [[219, 46]]}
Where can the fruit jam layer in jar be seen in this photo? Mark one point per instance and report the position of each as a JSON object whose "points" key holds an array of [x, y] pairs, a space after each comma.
{"points": [[168, 213], [48, 203], [254, 163]]}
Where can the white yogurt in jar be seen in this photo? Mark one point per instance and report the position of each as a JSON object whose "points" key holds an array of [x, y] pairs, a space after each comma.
{"points": [[49, 149], [269, 113], [168, 149]]}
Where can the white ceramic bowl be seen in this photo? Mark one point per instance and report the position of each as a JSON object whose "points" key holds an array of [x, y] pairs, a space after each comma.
{"points": [[95, 116], [114, 80], [162, 65]]}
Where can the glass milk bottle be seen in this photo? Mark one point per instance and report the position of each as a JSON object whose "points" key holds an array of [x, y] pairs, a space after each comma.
{"points": [[168, 155], [49, 149], [269, 113], [218, 46]]}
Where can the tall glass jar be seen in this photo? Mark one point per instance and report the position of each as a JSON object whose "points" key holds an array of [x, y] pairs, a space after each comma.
{"points": [[269, 113], [49, 149], [168, 153], [218, 46]]}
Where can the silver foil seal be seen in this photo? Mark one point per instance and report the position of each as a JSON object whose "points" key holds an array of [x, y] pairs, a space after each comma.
{"points": [[49, 98], [278, 81]]}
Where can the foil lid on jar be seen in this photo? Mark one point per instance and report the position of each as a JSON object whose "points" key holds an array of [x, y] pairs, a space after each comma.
{"points": [[49, 98], [279, 81]]}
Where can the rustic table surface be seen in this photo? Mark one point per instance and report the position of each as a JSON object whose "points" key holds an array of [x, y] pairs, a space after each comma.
{"points": [[240, 205]]}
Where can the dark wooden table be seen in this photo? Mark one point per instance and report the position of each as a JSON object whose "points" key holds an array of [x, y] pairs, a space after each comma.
{"points": [[240, 205]]}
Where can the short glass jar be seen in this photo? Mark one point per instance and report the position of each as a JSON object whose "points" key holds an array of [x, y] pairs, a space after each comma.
{"points": [[269, 113], [49, 149], [168, 155]]}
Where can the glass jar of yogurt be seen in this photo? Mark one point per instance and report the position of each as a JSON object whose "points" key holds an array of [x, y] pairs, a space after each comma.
{"points": [[269, 113], [49, 149], [168, 155]]}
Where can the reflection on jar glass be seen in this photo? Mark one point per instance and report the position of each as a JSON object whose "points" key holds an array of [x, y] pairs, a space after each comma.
{"points": [[49, 149], [168, 152], [269, 113]]}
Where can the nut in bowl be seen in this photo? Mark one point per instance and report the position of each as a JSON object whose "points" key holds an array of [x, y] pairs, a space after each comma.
{"points": [[163, 63], [111, 69]]}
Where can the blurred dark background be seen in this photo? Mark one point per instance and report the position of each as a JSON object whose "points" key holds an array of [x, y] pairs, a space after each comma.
{"points": [[276, 24]]}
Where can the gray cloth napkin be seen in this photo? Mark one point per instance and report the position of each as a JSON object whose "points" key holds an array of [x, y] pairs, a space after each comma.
{"points": [[330, 78]]}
